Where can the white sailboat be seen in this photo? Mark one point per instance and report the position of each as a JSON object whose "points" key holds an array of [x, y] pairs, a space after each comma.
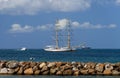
{"points": [[57, 48]]}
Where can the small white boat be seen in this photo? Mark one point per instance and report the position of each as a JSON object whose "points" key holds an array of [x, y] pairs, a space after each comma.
{"points": [[83, 46], [23, 49]]}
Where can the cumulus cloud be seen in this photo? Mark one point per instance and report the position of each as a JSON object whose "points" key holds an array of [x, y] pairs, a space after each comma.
{"points": [[20, 6], [88, 25], [69, 5], [44, 27], [103, 2], [31, 7], [75, 24], [118, 2], [17, 28], [60, 24], [63, 23], [112, 26], [35, 6]]}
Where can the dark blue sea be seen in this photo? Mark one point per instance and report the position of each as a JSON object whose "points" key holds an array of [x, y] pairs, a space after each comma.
{"points": [[39, 55]]}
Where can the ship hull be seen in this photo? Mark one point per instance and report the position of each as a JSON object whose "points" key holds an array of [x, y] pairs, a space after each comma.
{"points": [[59, 49]]}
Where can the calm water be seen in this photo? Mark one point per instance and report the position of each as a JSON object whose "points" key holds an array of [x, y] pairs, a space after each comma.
{"points": [[91, 55]]}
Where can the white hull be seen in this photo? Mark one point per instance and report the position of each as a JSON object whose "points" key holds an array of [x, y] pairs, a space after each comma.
{"points": [[23, 49], [59, 49]]}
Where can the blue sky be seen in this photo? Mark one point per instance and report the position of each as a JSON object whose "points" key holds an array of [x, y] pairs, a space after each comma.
{"points": [[30, 23]]}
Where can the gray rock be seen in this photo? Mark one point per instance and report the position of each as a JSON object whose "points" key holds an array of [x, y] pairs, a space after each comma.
{"points": [[11, 71], [115, 72], [13, 65], [116, 67], [7, 71], [3, 71], [108, 67], [2, 64]]}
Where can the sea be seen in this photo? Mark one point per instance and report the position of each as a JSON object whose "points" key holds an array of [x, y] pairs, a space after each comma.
{"points": [[80, 55]]}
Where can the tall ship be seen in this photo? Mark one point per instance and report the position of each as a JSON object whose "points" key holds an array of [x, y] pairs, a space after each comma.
{"points": [[57, 47]]}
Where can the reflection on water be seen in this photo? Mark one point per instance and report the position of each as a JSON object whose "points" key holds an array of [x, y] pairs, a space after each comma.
{"points": [[38, 76]]}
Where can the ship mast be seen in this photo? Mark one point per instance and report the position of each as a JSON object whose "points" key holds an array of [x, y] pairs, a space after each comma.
{"points": [[56, 35], [68, 34], [68, 39]]}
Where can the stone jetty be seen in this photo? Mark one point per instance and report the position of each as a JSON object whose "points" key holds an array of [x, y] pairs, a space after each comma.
{"points": [[58, 68]]}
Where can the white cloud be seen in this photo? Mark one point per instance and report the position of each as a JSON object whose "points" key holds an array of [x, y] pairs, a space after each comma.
{"points": [[118, 2], [88, 25], [20, 6], [44, 27], [69, 5], [17, 28], [75, 23], [34, 6], [103, 2], [31, 7], [112, 26], [61, 24]]}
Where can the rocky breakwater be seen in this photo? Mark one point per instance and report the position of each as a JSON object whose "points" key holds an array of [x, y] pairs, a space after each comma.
{"points": [[58, 68]]}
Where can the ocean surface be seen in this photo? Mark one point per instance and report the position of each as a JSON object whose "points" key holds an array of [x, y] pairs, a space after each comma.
{"points": [[88, 55]]}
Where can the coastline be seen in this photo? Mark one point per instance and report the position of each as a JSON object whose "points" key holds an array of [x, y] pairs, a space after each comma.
{"points": [[58, 68]]}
